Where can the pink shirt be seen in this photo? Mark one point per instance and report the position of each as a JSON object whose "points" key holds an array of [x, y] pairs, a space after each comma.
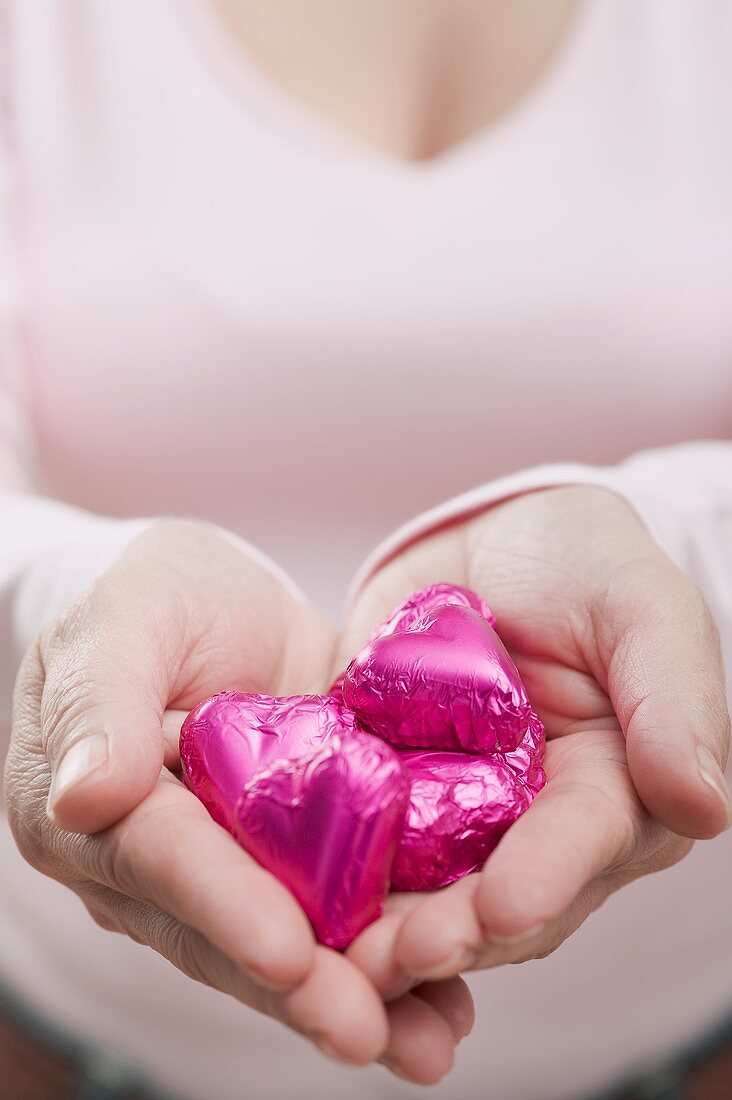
{"points": [[214, 304]]}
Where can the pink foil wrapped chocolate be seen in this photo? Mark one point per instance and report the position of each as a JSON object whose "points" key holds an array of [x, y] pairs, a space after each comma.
{"points": [[445, 681], [231, 736], [327, 825], [460, 805], [527, 758], [459, 808], [428, 598], [413, 608], [320, 801], [317, 802]]}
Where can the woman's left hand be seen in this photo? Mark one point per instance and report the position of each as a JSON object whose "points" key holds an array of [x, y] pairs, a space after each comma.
{"points": [[621, 659]]}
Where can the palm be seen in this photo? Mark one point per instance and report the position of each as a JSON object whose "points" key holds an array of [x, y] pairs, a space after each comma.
{"points": [[584, 834], [183, 614]]}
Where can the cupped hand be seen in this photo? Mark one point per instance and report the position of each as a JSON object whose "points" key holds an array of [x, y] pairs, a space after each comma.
{"points": [[94, 801], [621, 659]]}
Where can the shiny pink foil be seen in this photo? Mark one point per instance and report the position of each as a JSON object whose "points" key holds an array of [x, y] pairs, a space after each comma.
{"points": [[327, 825], [317, 802], [233, 735], [527, 758], [414, 607], [459, 808], [445, 681], [320, 802], [424, 599]]}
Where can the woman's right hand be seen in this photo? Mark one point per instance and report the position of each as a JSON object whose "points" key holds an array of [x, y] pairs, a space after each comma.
{"points": [[94, 801]]}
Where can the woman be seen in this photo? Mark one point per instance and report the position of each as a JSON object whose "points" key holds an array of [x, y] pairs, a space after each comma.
{"points": [[302, 271]]}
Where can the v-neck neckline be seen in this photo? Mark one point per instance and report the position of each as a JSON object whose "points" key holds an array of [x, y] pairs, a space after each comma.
{"points": [[247, 84]]}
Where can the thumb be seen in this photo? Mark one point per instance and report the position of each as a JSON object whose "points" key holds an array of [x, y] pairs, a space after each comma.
{"points": [[661, 653], [101, 707]]}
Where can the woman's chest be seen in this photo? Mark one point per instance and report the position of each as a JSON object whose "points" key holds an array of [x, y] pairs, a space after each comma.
{"points": [[234, 316], [304, 353]]}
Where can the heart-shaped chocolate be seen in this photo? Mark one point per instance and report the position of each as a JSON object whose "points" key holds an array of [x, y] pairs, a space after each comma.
{"points": [[428, 598], [316, 801], [459, 808], [413, 608], [320, 802], [327, 825], [445, 681]]}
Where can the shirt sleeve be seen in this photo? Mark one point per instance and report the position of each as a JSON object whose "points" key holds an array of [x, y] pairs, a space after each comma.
{"points": [[49, 551], [683, 494]]}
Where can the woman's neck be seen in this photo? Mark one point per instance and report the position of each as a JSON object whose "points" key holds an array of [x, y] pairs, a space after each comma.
{"points": [[411, 78]]}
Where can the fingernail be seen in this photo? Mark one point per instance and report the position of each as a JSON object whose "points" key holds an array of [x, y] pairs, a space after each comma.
{"points": [[76, 765], [461, 1024], [395, 1068], [520, 937], [711, 774], [326, 1048]]}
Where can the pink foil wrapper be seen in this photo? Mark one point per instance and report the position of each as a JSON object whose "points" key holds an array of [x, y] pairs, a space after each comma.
{"points": [[428, 598], [321, 803], [317, 802], [327, 826], [460, 805], [459, 808], [527, 758], [445, 681], [413, 608], [231, 736]]}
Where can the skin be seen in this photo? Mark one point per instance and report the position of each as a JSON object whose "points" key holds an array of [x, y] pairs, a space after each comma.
{"points": [[410, 80], [621, 659], [94, 800], [618, 653]]}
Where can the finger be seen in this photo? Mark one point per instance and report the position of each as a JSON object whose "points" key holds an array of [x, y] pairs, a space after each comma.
{"points": [[181, 614], [585, 823], [343, 1012], [422, 1047], [453, 1001], [373, 949], [101, 707], [543, 941], [169, 854], [660, 648], [334, 1006], [172, 722]]}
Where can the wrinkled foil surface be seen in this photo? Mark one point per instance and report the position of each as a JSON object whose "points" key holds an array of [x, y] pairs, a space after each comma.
{"points": [[459, 808], [414, 607], [527, 759], [312, 788], [231, 736], [428, 598], [318, 803], [445, 681], [327, 825]]}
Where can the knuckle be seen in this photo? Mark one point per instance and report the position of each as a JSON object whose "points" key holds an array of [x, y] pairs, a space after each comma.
{"points": [[546, 949], [670, 851], [39, 842], [28, 681], [183, 947], [26, 784], [63, 631], [27, 836], [102, 917], [67, 697], [657, 850]]}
